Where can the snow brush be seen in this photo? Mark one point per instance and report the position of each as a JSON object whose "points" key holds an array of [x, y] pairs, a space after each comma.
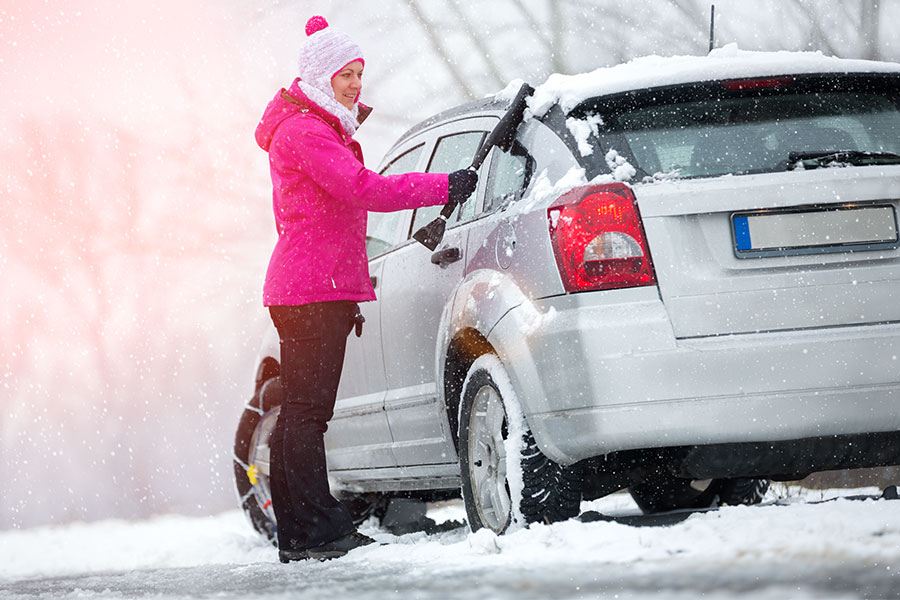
{"points": [[501, 136]]}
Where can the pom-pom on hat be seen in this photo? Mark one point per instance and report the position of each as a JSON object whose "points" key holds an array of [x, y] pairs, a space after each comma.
{"points": [[327, 50], [315, 24]]}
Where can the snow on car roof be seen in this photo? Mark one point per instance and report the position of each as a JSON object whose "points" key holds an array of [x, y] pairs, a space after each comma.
{"points": [[728, 62]]}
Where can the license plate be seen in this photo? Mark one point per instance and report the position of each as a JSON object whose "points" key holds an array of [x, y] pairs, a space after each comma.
{"points": [[816, 230]]}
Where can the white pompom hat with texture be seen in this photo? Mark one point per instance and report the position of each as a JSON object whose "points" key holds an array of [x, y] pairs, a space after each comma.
{"points": [[326, 52]]}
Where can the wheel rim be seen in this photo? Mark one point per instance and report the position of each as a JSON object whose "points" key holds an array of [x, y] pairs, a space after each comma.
{"points": [[487, 459], [259, 458]]}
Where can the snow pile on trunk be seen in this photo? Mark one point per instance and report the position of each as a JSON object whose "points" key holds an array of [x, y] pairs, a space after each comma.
{"points": [[582, 129]]}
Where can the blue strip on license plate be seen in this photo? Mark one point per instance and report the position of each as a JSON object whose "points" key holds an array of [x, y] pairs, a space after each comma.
{"points": [[811, 231]]}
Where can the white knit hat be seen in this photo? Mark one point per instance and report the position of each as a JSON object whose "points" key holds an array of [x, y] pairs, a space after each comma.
{"points": [[326, 52]]}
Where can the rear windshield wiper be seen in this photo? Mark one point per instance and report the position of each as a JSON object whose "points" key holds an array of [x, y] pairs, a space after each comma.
{"points": [[813, 160]]}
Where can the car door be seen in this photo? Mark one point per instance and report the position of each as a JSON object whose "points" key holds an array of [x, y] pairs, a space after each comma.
{"points": [[359, 436], [418, 285]]}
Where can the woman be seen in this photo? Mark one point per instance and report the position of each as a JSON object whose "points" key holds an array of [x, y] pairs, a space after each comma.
{"points": [[318, 272]]}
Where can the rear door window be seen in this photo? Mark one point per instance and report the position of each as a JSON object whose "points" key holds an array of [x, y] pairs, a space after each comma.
{"points": [[385, 230]]}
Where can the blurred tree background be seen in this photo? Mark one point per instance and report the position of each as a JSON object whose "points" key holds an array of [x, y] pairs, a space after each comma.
{"points": [[136, 225]]}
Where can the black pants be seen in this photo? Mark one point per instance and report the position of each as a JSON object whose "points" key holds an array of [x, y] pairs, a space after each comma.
{"points": [[313, 338]]}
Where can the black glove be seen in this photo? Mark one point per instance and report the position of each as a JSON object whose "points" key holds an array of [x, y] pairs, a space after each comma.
{"points": [[462, 184]]}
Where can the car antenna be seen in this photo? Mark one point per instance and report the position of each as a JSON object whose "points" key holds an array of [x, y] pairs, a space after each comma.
{"points": [[712, 27]]}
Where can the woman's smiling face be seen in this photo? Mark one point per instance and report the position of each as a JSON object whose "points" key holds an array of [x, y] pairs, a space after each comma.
{"points": [[347, 84]]}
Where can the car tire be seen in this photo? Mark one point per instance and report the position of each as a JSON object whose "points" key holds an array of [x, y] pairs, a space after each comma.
{"points": [[662, 494], [251, 457], [505, 477], [251, 466], [743, 490]]}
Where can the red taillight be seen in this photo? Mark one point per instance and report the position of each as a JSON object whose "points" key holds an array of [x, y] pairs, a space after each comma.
{"points": [[598, 239], [756, 84]]}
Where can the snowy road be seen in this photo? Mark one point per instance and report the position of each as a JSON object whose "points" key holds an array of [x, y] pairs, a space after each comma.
{"points": [[791, 547]]}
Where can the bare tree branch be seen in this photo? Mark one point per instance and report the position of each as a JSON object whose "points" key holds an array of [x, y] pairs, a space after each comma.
{"points": [[557, 22], [556, 63], [439, 48], [870, 19], [818, 36], [695, 18], [483, 51]]}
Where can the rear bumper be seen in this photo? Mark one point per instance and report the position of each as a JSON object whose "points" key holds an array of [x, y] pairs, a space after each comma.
{"points": [[603, 372]]}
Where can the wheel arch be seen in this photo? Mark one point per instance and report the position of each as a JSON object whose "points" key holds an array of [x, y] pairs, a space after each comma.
{"points": [[464, 348], [480, 302]]}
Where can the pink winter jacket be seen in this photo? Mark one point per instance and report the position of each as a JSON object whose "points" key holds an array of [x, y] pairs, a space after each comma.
{"points": [[321, 195]]}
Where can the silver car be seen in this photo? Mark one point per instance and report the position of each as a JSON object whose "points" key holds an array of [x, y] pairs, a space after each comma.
{"points": [[682, 277]]}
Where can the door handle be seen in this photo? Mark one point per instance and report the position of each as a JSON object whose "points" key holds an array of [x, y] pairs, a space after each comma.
{"points": [[374, 280], [446, 256]]}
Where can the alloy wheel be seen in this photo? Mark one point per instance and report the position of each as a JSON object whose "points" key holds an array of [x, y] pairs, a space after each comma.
{"points": [[487, 459]]}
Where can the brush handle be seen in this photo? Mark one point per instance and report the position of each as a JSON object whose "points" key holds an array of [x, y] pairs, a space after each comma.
{"points": [[448, 209]]}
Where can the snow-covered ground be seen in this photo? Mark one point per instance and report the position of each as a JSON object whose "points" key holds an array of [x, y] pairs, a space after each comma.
{"points": [[798, 544]]}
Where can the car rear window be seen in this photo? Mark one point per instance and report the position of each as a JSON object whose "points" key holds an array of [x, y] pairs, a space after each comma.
{"points": [[716, 130]]}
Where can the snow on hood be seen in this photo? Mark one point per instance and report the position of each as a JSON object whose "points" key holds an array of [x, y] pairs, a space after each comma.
{"points": [[728, 62]]}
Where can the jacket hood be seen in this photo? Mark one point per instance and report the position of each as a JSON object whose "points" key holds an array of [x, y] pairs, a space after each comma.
{"points": [[288, 103]]}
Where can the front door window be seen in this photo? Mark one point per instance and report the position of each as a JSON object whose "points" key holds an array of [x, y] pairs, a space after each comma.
{"points": [[453, 152]]}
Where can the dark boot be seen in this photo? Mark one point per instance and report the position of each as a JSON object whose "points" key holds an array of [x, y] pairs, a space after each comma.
{"points": [[287, 556], [335, 549], [340, 546]]}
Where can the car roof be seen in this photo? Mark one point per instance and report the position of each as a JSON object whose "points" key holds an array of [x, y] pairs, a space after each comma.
{"points": [[724, 63], [649, 72], [490, 104]]}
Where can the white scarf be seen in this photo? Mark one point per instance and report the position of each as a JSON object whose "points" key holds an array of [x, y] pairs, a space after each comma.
{"points": [[330, 104]]}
